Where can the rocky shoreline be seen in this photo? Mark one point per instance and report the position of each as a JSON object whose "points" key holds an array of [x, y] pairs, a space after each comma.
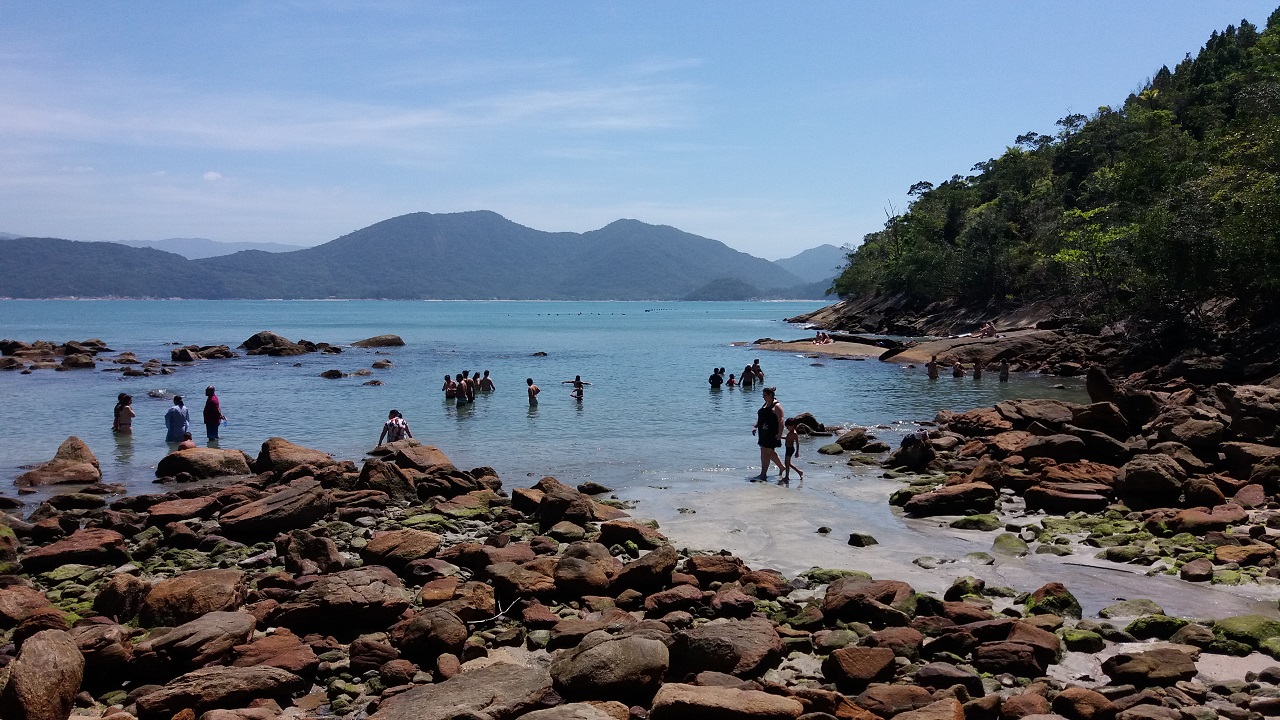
{"points": [[288, 584]]}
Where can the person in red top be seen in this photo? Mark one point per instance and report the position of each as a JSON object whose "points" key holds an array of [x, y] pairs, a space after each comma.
{"points": [[212, 413]]}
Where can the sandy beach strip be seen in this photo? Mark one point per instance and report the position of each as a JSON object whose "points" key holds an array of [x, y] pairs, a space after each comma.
{"points": [[837, 349]]}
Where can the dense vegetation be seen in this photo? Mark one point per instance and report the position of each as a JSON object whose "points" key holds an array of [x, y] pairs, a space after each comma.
{"points": [[1151, 209]]}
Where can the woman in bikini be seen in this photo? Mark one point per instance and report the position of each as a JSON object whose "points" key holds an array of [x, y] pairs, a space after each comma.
{"points": [[768, 431]]}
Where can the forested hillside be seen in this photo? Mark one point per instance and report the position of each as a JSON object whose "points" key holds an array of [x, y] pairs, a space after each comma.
{"points": [[1151, 209]]}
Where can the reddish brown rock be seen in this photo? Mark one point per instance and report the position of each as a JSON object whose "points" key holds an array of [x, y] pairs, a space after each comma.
{"points": [[853, 668], [73, 462], [715, 568], [1077, 703], [650, 572], [92, 546], [280, 456], [619, 532], [203, 463], [1246, 555], [887, 701], [499, 690], [18, 602], [398, 548], [970, 498], [192, 594], [944, 709], [218, 688], [1163, 666], [903, 641], [206, 640], [680, 597], [676, 701], [282, 650], [295, 505], [1023, 705], [121, 597], [44, 678], [512, 580], [107, 652], [737, 647], [367, 597], [163, 513], [882, 602]]}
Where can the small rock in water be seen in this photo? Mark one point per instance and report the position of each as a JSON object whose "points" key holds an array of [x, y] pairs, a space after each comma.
{"points": [[1059, 387], [540, 354], [824, 530], [297, 364], [332, 374], [862, 540], [926, 562], [593, 488], [686, 511], [980, 558], [372, 382]]}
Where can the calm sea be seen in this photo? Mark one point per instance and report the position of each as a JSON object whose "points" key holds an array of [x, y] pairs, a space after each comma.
{"points": [[648, 416]]}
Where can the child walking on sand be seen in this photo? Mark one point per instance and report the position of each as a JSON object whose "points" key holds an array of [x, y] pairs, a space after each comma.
{"points": [[793, 450]]}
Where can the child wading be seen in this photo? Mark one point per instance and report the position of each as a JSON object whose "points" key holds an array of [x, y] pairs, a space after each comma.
{"points": [[793, 450]]}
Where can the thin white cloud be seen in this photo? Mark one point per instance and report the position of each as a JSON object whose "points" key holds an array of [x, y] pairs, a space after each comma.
{"points": [[212, 176]]}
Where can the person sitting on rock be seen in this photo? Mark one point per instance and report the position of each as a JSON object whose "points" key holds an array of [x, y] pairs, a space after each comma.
{"points": [[395, 428]]}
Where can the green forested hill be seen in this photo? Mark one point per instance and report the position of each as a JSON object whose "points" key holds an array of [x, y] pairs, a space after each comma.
{"points": [[455, 256], [1148, 209]]}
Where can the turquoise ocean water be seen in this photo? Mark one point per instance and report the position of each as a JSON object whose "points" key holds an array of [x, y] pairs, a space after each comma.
{"points": [[649, 415]]}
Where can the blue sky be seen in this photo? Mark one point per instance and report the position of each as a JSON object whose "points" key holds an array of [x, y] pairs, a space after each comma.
{"points": [[772, 127]]}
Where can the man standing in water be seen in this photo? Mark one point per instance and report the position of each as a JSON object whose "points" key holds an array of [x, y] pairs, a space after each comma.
{"points": [[533, 391], [177, 421], [932, 367], [716, 379], [212, 413], [769, 428], [486, 384]]}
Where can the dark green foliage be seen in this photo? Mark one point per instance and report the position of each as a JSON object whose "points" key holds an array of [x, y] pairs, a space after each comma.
{"points": [[1153, 208], [463, 256]]}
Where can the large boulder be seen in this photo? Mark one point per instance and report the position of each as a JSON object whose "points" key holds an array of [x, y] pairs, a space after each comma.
{"points": [[852, 669], [1196, 428], [121, 597], [280, 456], [188, 596], [44, 679], [387, 477], [501, 691], [19, 602], [1103, 417], [281, 649], [1254, 411], [379, 341], [397, 548], [269, 343], [1162, 666], [1151, 480], [1060, 447], [108, 654], [206, 640], [90, 546], [427, 635], [295, 505], [74, 462], [915, 454], [967, 499], [603, 667], [219, 688], [203, 463], [649, 573], [366, 597], [878, 602], [676, 701], [1023, 413], [736, 647]]}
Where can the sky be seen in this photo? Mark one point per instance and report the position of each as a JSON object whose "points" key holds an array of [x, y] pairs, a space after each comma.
{"points": [[770, 126]]}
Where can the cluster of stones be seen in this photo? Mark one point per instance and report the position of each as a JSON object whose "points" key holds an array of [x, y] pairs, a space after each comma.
{"points": [[47, 355], [269, 343], [1185, 482], [407, 588]]}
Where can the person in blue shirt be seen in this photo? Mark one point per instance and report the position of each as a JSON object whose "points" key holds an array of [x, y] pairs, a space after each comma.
{"points": [[177, 421]]}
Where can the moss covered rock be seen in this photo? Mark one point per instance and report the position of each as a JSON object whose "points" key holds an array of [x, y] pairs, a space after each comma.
{"points": [[1251, 630], [1150, 627], [1010, 544], [1078, 640], [986, 522]]}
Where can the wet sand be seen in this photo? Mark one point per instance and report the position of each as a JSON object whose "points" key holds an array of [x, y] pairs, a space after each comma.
{"points": [[837, 349], [774, 526]]}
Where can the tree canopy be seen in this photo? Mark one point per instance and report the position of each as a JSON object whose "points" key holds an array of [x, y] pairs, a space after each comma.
{"points": [[1150, 208]]}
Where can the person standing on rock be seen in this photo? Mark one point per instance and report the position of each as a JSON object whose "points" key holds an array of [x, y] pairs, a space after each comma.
{"points": [[177, 421], [395, 428], [533, 391], [212, 413], [122, 421], [768, 432], [932, 367]]}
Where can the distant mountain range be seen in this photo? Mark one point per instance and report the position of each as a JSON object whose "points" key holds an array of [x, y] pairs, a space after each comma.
{"points": [[822, 263], [465, 256], [198, 248]]}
